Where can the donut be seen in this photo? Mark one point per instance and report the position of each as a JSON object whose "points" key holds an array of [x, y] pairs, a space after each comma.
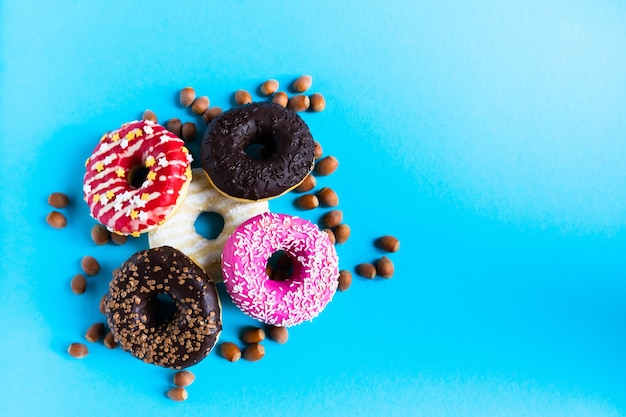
{"points": [[180, 233], [132, 308], [113, 199], [285, 151], [300, 297]]}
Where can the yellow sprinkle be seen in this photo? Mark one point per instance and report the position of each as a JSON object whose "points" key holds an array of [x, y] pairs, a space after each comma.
{"points": [[184, 149], [87, 161], [134, 214], [102, 139], [130, 135], [151, 176], [96, 198], [138, 132], [145, 196], [99, 166], [188, 173], [121, 172], [115, 137], [135, 234], [150, 161], [110, 194]]}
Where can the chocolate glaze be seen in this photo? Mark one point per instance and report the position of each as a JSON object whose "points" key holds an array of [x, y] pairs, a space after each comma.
{"points": [[286, 155], [131, 308]]}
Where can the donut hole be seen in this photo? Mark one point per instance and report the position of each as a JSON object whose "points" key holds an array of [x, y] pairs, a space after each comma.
{"points": [[209, 225], [137, 176], [164, 307], [263, 146], [279, 266]]}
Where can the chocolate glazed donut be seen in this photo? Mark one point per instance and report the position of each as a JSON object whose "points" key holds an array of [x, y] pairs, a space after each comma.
{"points": [[257, 151], [132, 308]]}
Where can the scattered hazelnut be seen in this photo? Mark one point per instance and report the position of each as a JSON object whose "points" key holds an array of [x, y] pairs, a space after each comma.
{"points": [[103, 300], [109, 341], [200, 104], [79, 284], [345, 280], [307, 184], [328, 197], [78, 350], [318, 150], [242, 97], [149, 115], [384, 267], [388, 243], [118, 239], [298, 103], [366, 270], [269, 87], [254, 352], [174, 125], [307, 201], [230, 351], [326, 165], [58, 200], [90, 265], [177, 394], [211, 113], [342, 233], [184, 378], [253, 335], [302, 83], [187, 96], [95, 332], [99, 234], [279, 334], [331, 235], [332, 219], [281, 99], [189, 131], [318, 102], [56, 219]]}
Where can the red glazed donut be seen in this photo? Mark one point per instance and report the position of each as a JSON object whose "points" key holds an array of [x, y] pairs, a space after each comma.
{"points": [[113, 201]]}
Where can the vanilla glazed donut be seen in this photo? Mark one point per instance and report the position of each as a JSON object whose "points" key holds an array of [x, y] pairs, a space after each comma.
{"points": [[107, 188], [304, 294], [180, 233], [132, 309], [286, 155]]}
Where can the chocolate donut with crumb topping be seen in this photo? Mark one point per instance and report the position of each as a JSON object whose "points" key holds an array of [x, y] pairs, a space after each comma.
{"points": [[134, 312], [257, 151]]}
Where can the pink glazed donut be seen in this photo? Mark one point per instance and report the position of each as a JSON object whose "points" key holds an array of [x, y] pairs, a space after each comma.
{"points": [[311, 285]]}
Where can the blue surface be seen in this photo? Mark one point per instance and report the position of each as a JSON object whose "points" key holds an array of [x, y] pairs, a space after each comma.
{"points": [[488, 136]]}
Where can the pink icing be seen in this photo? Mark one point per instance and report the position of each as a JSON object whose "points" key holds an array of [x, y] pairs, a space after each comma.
{"points": [[280, 303]]}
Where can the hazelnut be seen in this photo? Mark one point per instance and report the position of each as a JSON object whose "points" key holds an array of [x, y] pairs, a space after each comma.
{"points": [[326, 165], [211, 113], [269, 87], [388, 243], [331, 235], [230, 351], [366, 270], [253, 335], [109, 341], [280, 98], [332, 219], [118, 239], [184, 378], [242, 97], [95, 332], [254, 352], [189, 131], [79, 284], [177, 394], [345, 280], [318, 150], [187, 96], [77, 350], [342, 233], [149, 115], [90, 265], [56, 220], [307, 201], [103, 300], [174, 125], [99, 234], [302, 83], [298, 103], [328, 197], [200, 104], [318, 102], [307, 184], [58, 200], [279, 334], [384, 267]]}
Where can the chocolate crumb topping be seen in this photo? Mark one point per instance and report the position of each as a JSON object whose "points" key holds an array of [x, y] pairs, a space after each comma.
{"points": [[133, 315]]}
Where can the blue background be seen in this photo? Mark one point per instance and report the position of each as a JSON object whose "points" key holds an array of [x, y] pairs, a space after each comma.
{"points": [[489, 136]]}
